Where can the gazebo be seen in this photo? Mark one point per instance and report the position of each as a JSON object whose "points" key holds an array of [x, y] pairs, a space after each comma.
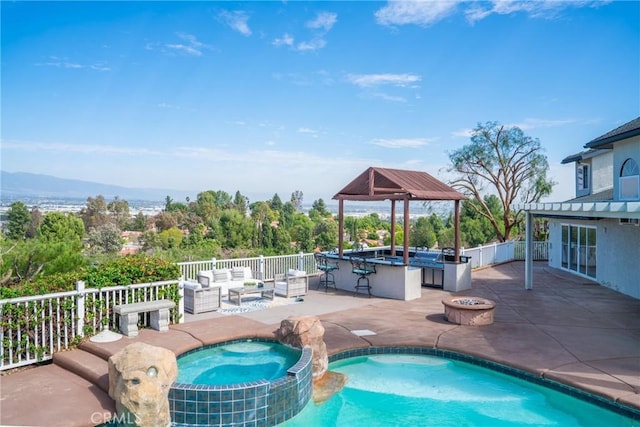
{"points": [[378, 184]]}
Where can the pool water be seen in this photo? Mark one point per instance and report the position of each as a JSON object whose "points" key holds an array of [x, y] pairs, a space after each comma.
{"points": [[236, 363], [411, 390]]}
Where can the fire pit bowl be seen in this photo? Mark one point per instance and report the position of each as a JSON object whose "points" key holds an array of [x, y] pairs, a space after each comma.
{"points": [[470, 311]]}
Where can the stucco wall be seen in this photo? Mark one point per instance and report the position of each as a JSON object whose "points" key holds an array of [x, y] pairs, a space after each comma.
{"points": [[602, 172], [618, 253]]}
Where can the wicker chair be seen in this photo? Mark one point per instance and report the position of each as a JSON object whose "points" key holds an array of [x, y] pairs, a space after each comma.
{"points": [[292, 284], [200, 299]]}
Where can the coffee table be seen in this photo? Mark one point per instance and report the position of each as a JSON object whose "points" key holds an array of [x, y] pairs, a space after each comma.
{"points": [[264, 291]]}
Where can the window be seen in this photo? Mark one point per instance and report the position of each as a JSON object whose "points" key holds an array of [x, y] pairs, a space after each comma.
{"points": [[583, 177], [629, 180]]}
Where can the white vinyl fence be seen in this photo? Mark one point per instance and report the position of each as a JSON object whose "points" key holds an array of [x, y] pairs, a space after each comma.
{"points": [[33, 328], [263, 267]]}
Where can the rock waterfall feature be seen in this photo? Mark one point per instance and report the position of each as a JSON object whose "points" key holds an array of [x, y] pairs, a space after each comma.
{"points": [[140, 376], [302, 331]]}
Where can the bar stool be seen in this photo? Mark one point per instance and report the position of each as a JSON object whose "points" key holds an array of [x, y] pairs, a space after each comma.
{"points": [[363, 269], [327, 278]]}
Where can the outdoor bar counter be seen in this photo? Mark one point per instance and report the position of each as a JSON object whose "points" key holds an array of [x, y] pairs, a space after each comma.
{"points": [[393, 279]]}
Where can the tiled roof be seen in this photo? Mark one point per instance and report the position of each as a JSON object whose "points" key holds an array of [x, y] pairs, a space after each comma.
{"points": [[587, 154], [603, 196], [625, 131], [382, 184]]}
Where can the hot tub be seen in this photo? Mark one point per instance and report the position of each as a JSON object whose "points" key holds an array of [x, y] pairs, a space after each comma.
{"points": [[260, 400]]}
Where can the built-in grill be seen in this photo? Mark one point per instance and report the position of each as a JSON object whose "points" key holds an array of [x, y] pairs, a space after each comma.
{"points": [[432, 265]]}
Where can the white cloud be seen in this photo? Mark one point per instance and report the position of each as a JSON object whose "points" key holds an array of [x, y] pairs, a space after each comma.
{"points": [[308, 131], [286, 40], [54, 61], [401, 142], [462, 133], [237, 20], [166, 105], [533, 123], [422, 13], [324, 21], [192, 46], [314, 44], [369, 80], [428, 12], [387, 97], [77, 148], [545, 9]]}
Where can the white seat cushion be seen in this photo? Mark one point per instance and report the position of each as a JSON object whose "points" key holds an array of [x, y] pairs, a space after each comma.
{"points": [[296, 273], [192, 285]]}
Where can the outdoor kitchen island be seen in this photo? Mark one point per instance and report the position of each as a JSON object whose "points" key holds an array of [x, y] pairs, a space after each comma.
{"points": [[393, 279]]}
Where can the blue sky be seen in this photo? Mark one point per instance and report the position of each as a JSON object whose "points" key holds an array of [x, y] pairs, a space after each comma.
{"points": [[273, 97]]}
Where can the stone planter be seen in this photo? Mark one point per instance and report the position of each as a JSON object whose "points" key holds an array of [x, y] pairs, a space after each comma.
{"points": [[470, 311]]}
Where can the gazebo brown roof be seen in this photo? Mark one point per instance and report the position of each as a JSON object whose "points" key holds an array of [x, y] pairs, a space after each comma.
{"points": [[375, 184]]}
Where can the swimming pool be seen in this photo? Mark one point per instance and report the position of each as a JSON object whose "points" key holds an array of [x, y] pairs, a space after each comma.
{"points": [[424, 390]]}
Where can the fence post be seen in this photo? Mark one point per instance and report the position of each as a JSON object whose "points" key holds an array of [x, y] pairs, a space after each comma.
{"points": [[213, 263], [301, 261], [181, 302], [261, 267], [80, 307]]}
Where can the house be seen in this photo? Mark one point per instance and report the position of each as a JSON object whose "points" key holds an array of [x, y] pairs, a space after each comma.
{"points": [[597, 233]]}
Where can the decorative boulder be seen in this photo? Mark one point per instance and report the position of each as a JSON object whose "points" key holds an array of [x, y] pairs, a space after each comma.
{"points": [[140, 376], [301, 331]]}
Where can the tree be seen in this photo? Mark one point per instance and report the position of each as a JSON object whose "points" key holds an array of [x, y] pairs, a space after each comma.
{"points": [[57, 227], [119, 211], [18, 220], [95, 213], [509, 162], [296, 199], [276, 203], [34, 224], [422, 233], [105, 239], [139, 222], [240, 202], [319, 209]]}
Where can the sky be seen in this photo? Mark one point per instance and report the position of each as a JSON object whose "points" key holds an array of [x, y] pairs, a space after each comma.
{"points": [[271, 97]]}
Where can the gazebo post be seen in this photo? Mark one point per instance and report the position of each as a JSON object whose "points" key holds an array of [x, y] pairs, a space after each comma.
{"points": [[456, 228], [393, 227], [340, 227], [405, 255]]}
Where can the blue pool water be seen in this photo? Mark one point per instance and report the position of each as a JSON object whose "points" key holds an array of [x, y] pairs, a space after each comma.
{"points": [[236, 363], [416, 390]]}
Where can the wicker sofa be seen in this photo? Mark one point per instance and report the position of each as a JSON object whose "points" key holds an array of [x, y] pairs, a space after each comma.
{"points": [[199, 299], [294, 283], [226, 278]]}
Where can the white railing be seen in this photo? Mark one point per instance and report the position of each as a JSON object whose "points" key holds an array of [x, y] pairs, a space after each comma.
{"points": [[33, 328], [497, 253], [264, 267], [540, 250]]}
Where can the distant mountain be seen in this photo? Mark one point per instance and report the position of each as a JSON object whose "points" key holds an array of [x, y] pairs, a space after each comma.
{"points": [[16, 185]]}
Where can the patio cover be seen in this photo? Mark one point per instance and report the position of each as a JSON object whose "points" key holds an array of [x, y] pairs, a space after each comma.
{"points": [[375, 184]]}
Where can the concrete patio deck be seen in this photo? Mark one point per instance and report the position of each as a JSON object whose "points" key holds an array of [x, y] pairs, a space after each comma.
{"points": [[567, 329]]}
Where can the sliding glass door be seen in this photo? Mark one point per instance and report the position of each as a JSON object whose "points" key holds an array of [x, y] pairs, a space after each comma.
{"points": [[579, 249]]}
